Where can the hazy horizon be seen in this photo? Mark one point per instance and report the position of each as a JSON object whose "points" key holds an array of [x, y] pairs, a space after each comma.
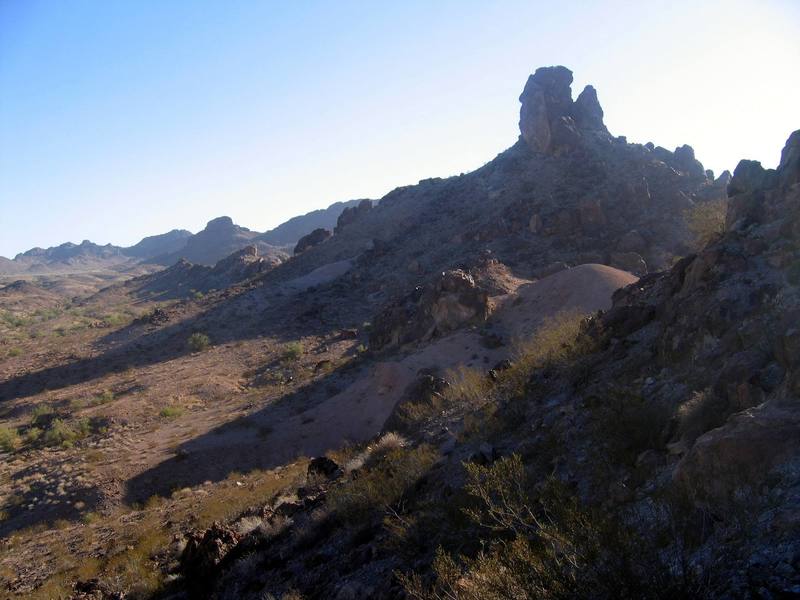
{"points": [[125, 120]]}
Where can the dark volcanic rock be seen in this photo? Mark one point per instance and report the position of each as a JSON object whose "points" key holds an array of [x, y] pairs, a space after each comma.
{"points": [[447, 303], [312, 239], [352, 214], [550, 122]]}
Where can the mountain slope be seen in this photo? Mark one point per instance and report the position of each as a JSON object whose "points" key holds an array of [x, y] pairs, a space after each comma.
{"points": [[653, 452], [288, 233]]}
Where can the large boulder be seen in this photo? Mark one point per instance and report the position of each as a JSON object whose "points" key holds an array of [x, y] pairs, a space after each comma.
{"points": [[453, 300]]}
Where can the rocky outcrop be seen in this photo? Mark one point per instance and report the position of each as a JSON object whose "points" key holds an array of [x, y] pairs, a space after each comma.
{"points": [[550, 122], [204, 552], [314, 238], [452, 300], [352, 214], [186, 279]]}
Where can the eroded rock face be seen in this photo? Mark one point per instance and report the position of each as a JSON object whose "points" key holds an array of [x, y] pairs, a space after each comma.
{"points": [[550, 122], [452, 300], [724, 323], [312, 239]]}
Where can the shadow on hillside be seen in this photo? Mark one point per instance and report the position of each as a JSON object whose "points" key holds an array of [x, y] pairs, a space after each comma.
{"points": [[247, 443], [235, 446], [224, 322]]}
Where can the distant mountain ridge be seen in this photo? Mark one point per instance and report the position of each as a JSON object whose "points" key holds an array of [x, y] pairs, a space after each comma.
{"points": [[219, 239], [288, 233]]}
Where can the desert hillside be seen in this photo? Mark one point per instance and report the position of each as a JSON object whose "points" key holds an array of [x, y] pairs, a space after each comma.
{"points": [[570, 373]]}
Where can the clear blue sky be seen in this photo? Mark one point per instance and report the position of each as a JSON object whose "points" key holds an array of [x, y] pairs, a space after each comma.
{"points": [[128, 118]]}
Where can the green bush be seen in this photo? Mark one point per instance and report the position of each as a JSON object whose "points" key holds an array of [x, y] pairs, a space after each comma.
{"points": [[383, 484], [293, 351], [706, 221], [171, 412], [9, 440], [14, 352], [61, 433], [538, 542], [198, 342]]}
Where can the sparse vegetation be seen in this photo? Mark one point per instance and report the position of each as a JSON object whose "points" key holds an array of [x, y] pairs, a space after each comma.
{"points": [[171, 412], [9, 439], [556, 341], [382, 483], [64, 434], [706, 221], [293, 351], [538, 542], [198, 342]]}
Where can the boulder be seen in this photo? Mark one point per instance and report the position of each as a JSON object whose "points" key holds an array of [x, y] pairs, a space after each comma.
{"points": [[731, 461], [322, 466], [685, 162], [205, 550], [451, 301], [312, 239]]}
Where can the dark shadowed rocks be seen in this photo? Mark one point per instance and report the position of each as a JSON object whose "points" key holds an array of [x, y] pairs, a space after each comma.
{"points": [[550, 122], [447, 303], [352, 214], [312, 239]]}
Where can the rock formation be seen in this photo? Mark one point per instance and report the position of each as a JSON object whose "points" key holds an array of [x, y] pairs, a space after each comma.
{"points": [[352, 214], [550, 122], [312, 239], [447, 303]]}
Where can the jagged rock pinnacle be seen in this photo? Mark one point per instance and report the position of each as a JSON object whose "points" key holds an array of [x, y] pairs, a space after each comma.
{"points": [[550, 122]]}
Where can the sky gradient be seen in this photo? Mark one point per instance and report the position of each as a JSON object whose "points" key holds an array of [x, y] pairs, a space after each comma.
{"points": [[131, 118]]}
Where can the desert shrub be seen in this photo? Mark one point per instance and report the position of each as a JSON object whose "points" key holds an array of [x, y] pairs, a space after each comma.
{"points": [[702, 412], [557, 340], [32, 435], [538, 542], [383, 484], [198, 342], [198, 295], [14, 352], [467, 386], [9, 439], [62, 433], [706, 221], [171, 412], [103, 397], [293, 351], [41, 414], [114, 319], [13, 320]]}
